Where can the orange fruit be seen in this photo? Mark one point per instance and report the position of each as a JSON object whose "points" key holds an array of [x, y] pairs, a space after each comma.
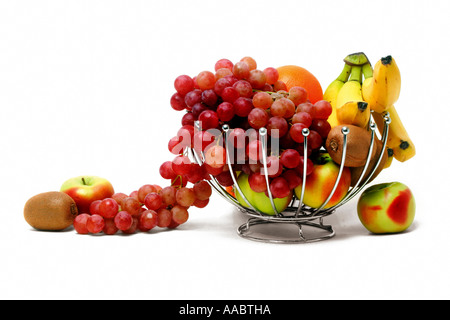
{"points": [[230, 191], [294, 76]]}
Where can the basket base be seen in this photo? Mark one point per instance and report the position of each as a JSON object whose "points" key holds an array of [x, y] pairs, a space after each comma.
{"points": [[306, 231]]}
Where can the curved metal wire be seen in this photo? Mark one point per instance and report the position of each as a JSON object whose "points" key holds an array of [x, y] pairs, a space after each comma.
{"points": [[297, 213]]}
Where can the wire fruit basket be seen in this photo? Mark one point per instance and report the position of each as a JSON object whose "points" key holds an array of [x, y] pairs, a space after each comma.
{"points": [[296, 213]]}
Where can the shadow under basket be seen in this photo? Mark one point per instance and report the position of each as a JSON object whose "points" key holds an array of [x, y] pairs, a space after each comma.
{"points": [[298, 223]]}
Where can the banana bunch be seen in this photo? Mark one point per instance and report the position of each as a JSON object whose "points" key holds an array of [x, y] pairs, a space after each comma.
{"points": [[345, 94], [354, 99], [381, 91]]}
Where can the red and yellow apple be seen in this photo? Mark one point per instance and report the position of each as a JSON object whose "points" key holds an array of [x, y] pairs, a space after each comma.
{"points": [[86, 189], [259, 200], [321, 181], [387, 208]]}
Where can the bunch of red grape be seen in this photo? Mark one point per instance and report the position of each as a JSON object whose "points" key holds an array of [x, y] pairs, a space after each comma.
{"points": [[144, 209], [246, 99]]}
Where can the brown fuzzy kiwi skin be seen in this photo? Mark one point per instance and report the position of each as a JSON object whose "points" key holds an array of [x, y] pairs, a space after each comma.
{"points": [[50, 211], [356, 172], [358, 143]]}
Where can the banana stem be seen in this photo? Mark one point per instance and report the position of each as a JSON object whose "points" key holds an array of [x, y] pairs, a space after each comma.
{"points": [[367, 71], [356, 74], [345, 73], [356, 59]]}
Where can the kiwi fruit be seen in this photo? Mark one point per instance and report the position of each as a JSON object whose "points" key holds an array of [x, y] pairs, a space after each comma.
{"points": [[50, 211], [357, 171], [358, 144]]}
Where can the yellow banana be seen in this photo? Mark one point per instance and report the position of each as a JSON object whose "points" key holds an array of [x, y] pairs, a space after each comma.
{"points": [[382, 90], [398, 139], [332, 92], [351, 90], [390, 157], [354, 112], [350, 106]]}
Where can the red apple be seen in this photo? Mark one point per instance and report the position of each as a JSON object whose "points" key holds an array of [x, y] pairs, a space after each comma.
{"points": [[86, 189], [321, 181], [387, 208]]}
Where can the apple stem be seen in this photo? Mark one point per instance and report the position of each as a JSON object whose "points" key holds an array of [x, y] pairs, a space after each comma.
{"points": [[84, 181]]}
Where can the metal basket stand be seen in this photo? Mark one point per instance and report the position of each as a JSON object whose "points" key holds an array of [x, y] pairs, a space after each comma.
{"points": [[297, 213]]}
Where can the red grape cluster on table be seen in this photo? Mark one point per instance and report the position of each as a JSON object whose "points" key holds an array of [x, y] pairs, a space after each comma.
{"points": [[245, 98], [149, 207]]}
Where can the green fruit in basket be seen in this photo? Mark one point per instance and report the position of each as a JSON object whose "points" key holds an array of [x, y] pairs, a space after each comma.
{"points": [[387, 208], [259, 200], [321, 181]]}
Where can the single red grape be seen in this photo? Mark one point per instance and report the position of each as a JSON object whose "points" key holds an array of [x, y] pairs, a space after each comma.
{"points": [[302, 117], [108, 208], [94, 207], [110, 227], [202, 190], [145, 190], [166, 171], [271, 75], [123, 220], [323, 109], [277, 127], [120, 196], [215, 156], [257, 78], [322, 126], [307, 107], [279, 187], [258, 118], [153, 201], [181, 165], [244, 88], [225, 111], [241, 70], [131, 205], [177, 102], [206, 80], [193, 97], [95, 223], [229, 94], [80, 223], [290, 158], [184, 84], [148, 220], [314, 139], [208, 120], [223, 63], [243, 106], [257, 182], [250, 62], [179, 214], [296, 132], [164, 217]]}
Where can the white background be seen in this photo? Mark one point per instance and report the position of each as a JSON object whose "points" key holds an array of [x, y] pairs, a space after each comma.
{"points": [[85, 89]]}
